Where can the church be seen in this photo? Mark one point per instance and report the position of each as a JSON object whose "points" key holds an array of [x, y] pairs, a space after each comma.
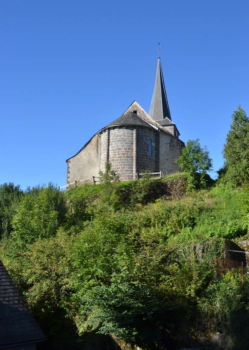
{"points": [[135, 142]]}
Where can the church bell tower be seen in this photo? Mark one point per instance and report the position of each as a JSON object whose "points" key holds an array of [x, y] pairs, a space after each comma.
{"points": [[159, 109]]}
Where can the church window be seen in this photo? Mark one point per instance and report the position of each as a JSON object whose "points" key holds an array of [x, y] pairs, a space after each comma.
{"points": [[150, 148]]}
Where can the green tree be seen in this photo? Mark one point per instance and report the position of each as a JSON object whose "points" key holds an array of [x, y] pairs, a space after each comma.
{"points": [[195, 161], [131, 310], [9, 198], [42, 274], [236, 149], [38, 216]]}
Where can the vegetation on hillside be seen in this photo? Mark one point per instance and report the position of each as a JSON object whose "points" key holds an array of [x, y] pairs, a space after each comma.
{"points": [[195, 161], [129, 262], [236, 149]]}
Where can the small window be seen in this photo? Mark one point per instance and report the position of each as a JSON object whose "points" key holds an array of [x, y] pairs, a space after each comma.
{"points": [[150, 148]]}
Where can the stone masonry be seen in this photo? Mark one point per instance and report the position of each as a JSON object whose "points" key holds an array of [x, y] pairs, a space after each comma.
{"points": [[146, 162], [125, 144], [132, 143], [127, 149], [118, 150], [170, 150]]}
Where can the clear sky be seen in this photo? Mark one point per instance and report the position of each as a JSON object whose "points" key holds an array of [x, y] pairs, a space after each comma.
{"points": [[68, 68]]}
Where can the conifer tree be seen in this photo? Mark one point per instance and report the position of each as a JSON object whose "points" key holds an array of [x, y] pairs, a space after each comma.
{"points": [[236, 149], [10, 196]]}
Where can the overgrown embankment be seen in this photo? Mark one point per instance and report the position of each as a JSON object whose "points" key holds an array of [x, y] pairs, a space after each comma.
{"points": [[135, 263]]}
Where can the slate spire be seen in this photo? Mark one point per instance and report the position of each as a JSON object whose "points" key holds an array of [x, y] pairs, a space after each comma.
{"points": [[159, 108]]}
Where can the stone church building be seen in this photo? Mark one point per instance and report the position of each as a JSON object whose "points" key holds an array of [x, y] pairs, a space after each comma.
{"points": [[134, 142]]}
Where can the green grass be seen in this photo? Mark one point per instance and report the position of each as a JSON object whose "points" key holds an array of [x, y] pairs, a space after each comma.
{"points": [[174, 176], [214, 212]]}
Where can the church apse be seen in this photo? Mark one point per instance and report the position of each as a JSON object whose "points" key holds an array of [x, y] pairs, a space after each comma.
{"points": [[132, 143], [117, 148], [126, 148]]}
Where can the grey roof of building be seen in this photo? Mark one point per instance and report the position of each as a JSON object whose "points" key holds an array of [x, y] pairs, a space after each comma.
{"points": [[159, 108], [165, 122], [128, 118], [17, 325]]}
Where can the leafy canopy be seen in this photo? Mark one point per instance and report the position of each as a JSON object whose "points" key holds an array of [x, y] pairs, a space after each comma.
{"points": [[195, 161], [38, 216], [236, 149], [10, 196]]}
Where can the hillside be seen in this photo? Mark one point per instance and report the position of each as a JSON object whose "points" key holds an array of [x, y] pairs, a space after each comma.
{"points": [[131, 263]]}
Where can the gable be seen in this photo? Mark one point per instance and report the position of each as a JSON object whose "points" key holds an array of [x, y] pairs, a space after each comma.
{"points": [[145, 116]]}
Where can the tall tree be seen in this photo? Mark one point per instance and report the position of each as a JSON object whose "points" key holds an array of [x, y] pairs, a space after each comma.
{"points": [[195, 161], [236, 149], [9, 198]]}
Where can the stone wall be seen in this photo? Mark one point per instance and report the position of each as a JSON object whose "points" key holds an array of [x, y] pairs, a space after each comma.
{"points": [[144, 160], [118, 147], [127, 149], [85, 164], [170, 150], [104, 149]]}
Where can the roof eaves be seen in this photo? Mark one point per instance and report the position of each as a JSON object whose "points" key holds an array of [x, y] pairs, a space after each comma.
{"points": [[128, 124], [152, 126], [10, 345], [108, 127]]}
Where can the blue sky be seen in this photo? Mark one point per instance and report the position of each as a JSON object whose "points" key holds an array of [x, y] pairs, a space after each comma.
{"points": [[68, 68]]}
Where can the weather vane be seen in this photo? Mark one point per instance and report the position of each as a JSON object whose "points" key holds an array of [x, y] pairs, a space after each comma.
{"points": [[158, 49]]}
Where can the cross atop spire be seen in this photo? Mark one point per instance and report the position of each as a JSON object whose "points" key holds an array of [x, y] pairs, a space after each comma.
{"points": [[159, 108], [158, 49]]}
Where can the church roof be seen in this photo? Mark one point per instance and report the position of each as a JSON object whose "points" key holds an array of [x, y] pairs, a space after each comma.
{"points": [[165, 122], [17, 325], [128, 118], [159, 108]]}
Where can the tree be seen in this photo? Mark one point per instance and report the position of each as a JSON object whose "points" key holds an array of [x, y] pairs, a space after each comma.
{"points": [[132, 310], [195, 161], [236, 149], [10, 196], [38, 216]]}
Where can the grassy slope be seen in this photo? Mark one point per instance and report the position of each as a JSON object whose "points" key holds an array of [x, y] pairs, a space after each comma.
{"points": [[215, 212], [152, 227]]}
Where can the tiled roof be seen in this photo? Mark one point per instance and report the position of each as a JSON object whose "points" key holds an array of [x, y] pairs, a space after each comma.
{"points": [[145, 116], [17, 325], [128, 118], [165, 122]]}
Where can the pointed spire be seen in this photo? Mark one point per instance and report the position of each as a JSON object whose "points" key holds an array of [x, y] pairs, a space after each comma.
{"points": [[159, 108]]}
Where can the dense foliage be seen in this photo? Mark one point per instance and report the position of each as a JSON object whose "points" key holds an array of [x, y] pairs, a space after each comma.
{"points": [[195, 161], [236, 149], [132, 263], [9, 197], [120, 260]]}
